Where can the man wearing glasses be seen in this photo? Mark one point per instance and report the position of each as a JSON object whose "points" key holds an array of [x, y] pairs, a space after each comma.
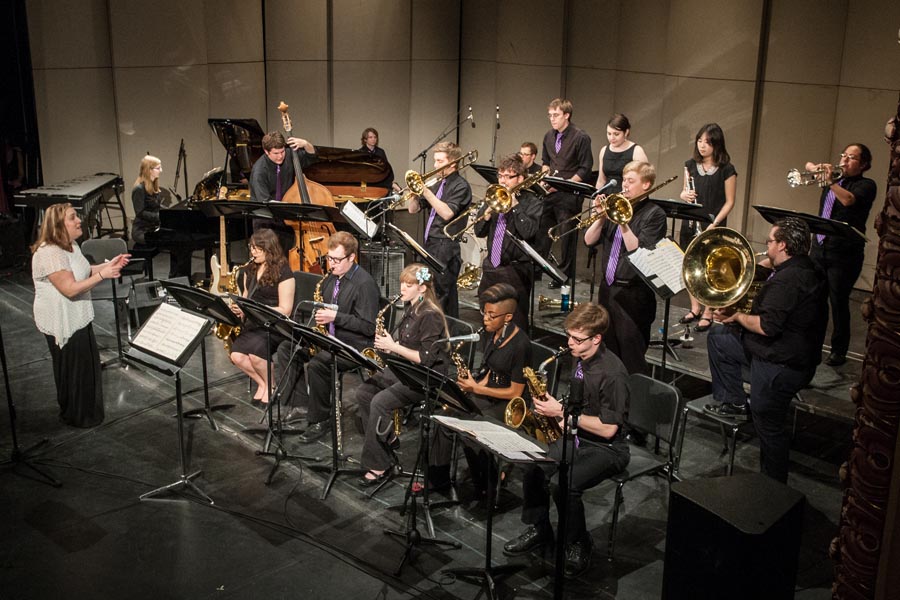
{"points": [[528, 152], [598, 451], [355, 293], [779, 342], [848, 199], [505, 262]]}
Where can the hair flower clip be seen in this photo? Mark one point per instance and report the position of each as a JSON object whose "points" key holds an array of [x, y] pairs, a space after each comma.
{"points": [[423, 275]]}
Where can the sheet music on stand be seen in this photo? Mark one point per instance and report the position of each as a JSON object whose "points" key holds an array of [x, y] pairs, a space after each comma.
{"points": [[499, 439], [170, 334], [661, 267], [358, 220]]}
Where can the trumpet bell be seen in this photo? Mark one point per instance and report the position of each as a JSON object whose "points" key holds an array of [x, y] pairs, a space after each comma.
{"points": [[718, 267]]}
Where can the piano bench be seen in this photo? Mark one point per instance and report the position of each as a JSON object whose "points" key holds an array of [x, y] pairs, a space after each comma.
{"points": [[147, 253]]}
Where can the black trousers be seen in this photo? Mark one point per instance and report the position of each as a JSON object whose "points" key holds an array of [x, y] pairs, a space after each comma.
{"points": [[841, 271], [632, 311], [446, 251], [558, 207], [517, 275], [76, 372], [315, 392], [590, 465]]}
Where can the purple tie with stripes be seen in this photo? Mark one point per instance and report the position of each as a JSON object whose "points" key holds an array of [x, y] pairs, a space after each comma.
{"points": [[497, 246], [614, 257], [558, 145], [277, 183], [334, 295], [440, 195], [826, 212]]}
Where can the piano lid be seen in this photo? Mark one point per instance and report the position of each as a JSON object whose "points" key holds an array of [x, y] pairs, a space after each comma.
{"points": [[242, 139]]}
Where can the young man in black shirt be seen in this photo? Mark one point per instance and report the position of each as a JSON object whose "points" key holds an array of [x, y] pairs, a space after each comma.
{"points": [[598, 451], [849, 199], [505, 262], [631, 302], [780, 342], [444, 203], [566, 153]]}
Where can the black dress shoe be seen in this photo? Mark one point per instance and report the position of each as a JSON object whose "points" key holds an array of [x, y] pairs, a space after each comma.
{"points": [[728, 410], [578, 557], [366, 482], [835, 360], [314, 432], [296, 414], [533, 537]]}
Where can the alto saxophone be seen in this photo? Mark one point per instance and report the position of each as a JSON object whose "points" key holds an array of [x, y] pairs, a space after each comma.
{"points": [[462, 369], [380, 330], [317, 297], [224, 332], [517, 414]]}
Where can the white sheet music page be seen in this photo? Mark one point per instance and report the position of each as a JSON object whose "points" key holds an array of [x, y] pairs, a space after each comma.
{"points": [[498, 438], [664, 262], [168, 332]]}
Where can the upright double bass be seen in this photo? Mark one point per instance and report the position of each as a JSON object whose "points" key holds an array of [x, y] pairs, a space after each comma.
{"points": [[312, 236]]}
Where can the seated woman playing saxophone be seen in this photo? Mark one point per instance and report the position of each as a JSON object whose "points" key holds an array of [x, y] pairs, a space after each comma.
{"points": [[423, 324]]}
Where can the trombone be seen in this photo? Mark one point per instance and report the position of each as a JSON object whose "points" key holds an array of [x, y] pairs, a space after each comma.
{"points": [[616, 207], [796, 178], [417, 182], [498, 199]]}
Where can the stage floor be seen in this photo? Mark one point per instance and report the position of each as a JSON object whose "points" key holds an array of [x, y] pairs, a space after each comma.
{"points": [[93, 538]]}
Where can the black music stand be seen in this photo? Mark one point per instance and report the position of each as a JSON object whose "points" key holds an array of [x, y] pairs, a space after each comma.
{"points": [[167, 352], [308, 213], [580, 190], [271, 320], [431, 384], [337, 349], [487, 172], [545, 266], [209, 306], [417, 249], [817, 225], [488, 574], [19, 456], [230, 209], [679, 209]]}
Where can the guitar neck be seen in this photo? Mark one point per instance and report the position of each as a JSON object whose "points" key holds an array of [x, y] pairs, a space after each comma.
{"points": [[223, 261]]}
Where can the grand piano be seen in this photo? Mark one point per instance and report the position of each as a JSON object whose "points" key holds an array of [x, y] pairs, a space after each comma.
{"points": [[350, 175]]}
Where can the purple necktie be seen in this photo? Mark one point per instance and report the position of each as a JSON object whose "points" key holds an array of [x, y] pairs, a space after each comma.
{"points": [[439, 194], [334, 295], [614, 257], [497, 246], [558, 145], [826, 212], [277, 183], [771, 275], [579, 372]]}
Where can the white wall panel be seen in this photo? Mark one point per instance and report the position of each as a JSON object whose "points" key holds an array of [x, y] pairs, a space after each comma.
{"points": [[68, 34], [371, 30], [233, 31], [164, 33]]}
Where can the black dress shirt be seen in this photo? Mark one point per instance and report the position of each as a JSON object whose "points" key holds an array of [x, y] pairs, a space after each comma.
{"points": [[648, 224], [419, 329], [856, 215], [575, 156], [263, 175], [522, 221], [357, 306], [507, 361], [793, 311], [457, 195], [146, 212], [605, 392]]}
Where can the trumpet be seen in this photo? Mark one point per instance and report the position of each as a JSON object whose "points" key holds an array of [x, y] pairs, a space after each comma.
{"points": [[616, 207], [497, 198], [417, 182], [796, 178]]}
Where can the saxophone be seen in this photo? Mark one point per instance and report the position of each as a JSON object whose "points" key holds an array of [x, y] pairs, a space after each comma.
{"points": [[317, 297], [224, 332], [517, 414], [462, 369], [371, 353]]}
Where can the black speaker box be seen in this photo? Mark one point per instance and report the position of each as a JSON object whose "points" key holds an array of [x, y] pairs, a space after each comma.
{"points": [[13, 249], [372, 260], [732, 537]]}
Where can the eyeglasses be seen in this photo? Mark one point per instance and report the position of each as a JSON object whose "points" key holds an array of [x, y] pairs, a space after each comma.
{"points": [[253, 247], [526, 153], [770, 241], [335, 260], [493, 316], [506, 176], [578, 340], [849, 156]]}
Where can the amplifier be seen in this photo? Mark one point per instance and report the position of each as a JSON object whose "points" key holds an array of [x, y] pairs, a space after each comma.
{"points": [[372, 260], [146, 296]]}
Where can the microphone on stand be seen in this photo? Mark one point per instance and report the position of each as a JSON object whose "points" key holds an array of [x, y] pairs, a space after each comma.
{"points": [[498, 116], [471, 337], [323, 305], [609, 184], [471, 117]]}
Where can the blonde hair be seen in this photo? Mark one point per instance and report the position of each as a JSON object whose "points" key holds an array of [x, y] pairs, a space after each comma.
{"points": [[53, 229], [645, 170], [429, 298], [147, 164], [452, 151]]}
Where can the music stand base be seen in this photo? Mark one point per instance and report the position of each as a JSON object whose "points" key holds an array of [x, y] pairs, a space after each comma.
{"points": [[281, 454], [487, 576], [414, 538], [206, 411], [20, 457], [185, 481], [334, 473]]}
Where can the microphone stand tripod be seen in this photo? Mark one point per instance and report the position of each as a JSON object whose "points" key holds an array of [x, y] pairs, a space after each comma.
{"points": [[423, 155], [18, 456], [573, 409]]}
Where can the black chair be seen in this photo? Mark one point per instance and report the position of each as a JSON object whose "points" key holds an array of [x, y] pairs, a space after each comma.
{"points": [[148, 253], [655, 409]]}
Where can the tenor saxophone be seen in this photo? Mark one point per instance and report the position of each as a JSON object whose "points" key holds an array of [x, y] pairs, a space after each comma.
{"points": [[517, 413], [380, 330], [224, 332]]}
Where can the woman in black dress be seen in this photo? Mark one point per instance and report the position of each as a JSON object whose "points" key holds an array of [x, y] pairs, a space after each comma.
{"points": [[619, 152], [267, 280]]}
